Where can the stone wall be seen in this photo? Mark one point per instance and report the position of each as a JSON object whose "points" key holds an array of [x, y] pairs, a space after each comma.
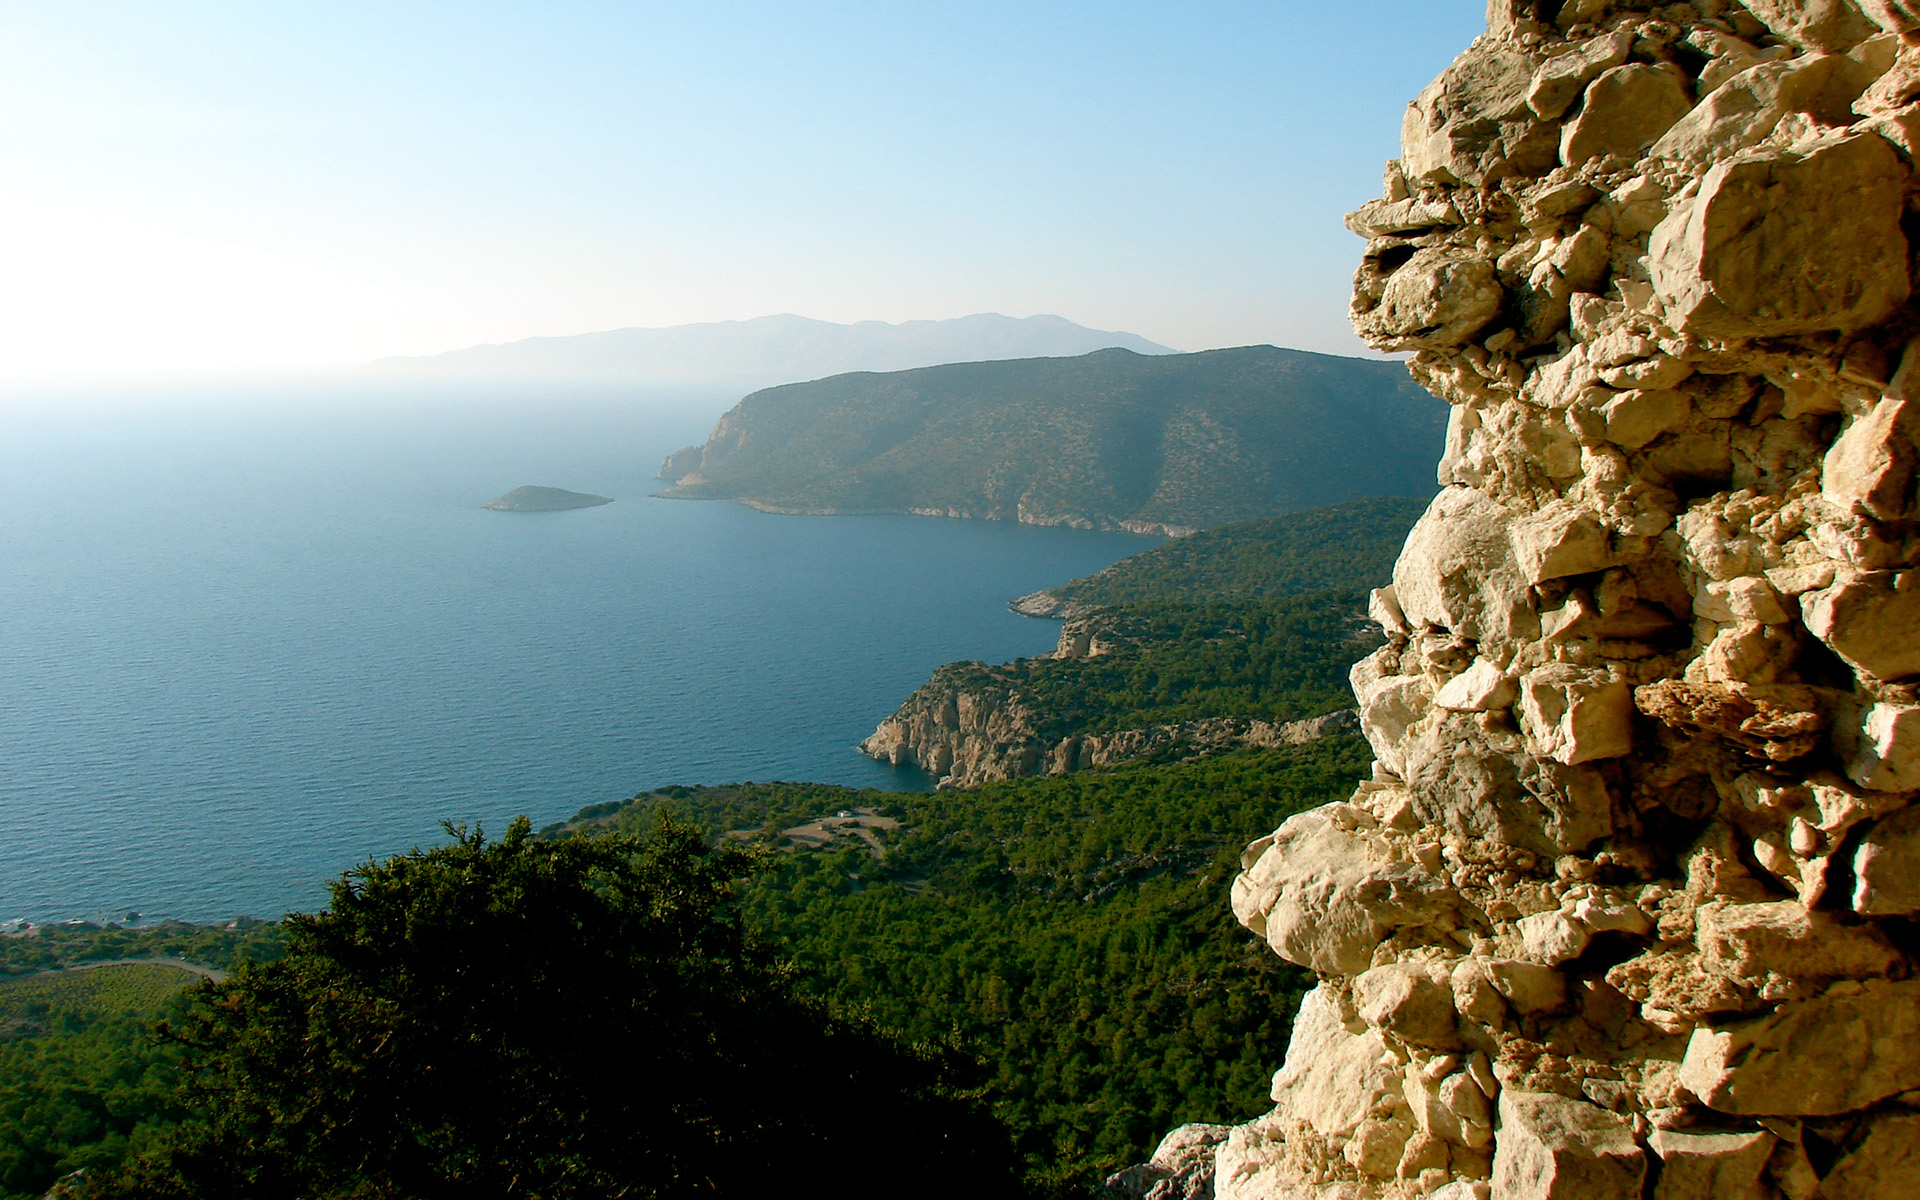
{"points": [[1627, 909]]}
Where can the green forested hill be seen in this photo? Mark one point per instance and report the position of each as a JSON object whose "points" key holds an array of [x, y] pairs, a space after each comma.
{"points": [[1074, 931], [1344, 546], [1110, 440]]}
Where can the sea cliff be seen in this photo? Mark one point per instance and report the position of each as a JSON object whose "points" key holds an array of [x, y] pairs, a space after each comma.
{"points": [[972, 723]]}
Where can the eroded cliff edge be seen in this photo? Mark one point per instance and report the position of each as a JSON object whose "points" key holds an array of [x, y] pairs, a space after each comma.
{"points": [[1627, 908], [972, 723]]}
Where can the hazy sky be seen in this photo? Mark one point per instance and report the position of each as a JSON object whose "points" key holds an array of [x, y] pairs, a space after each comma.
{"points": [[205, 185]]}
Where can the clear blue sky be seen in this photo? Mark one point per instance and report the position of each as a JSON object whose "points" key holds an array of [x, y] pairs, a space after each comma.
{"points": [[210, 186]]}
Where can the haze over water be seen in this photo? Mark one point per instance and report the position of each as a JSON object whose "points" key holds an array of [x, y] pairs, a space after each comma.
{"points": [[249, 642]]}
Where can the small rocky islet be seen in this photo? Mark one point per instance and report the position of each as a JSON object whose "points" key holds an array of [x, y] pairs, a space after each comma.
{"points": [[544, 499]]}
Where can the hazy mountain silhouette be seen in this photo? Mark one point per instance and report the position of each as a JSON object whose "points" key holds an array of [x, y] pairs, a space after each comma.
{"points": [[769, 350]]}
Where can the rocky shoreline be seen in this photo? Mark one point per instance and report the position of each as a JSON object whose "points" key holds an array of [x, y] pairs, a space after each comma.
{"points": [[968, 725]]}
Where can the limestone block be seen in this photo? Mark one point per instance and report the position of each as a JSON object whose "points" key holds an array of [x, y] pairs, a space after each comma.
{"points": [[1329, 887], [1530, 987], [1558, 541], [1604, 911], [1375, 1148], [1412, 1001], [1461, 784], [1383, 609], [1784, 942], [1871, 468], [1552, 1148], [1824, 26], [1747, 650], [1576, 714], [1388, 704], [1464, 1098], [1856, 1045], [1886, 756], [1801, 577], [1748, 598], [1506, 442], [1472, 124], [1636, 207], [1457, 570], [1482, 687], [1450, 1107], [1744, 111], [1883, 1165], [1561, 79], [1387, 218], [1886, 867], [1438, 299], [1901, 128], [1894, 16], [1711, 1166], [1626, 110], [1787, 242], [1638, 417], [1728, 56], [1181, 1167], [1551, 938], [1871, 619], [1334, 1079], [1474, 995]]}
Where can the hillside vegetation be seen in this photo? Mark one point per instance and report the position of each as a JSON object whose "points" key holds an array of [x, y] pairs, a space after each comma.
{"points": [[83, 1081], [1344, 546], [1074, 932], [1200, 645], [571, 1020], [1108, 440]]}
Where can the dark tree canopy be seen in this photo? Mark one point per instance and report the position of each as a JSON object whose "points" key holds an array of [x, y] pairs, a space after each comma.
{"points": [[527, 1018]]}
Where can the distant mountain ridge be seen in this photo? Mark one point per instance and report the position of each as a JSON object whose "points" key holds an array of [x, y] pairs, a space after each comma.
{"points": [[1110, 440], [769, 350]]}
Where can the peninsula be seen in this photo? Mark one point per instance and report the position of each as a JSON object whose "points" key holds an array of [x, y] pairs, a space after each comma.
{"points": [[544, 499]]}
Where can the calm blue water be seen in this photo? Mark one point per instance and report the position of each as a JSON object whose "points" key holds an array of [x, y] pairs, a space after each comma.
{"points": [[247, 642]]}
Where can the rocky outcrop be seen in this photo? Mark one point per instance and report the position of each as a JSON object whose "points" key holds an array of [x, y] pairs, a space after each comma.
{"points": [[972, 724], [1626, 909]]}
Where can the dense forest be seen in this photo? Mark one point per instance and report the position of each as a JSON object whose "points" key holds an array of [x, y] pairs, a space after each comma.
{"points": [[1109, 440], [83, 1080], [1073, 931]]}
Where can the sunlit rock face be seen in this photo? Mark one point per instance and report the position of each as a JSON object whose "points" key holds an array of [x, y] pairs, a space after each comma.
{"points": [[1628, 908]]}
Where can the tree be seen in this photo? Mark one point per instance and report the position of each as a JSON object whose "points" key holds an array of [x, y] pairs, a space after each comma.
{"points": [[529, 1018]]}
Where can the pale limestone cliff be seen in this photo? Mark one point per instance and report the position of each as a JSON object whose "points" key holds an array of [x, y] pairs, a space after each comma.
{"points": [[972, 724], [1627, 909]]}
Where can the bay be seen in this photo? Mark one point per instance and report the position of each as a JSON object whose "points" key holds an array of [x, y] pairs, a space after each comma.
{"points": [[251, 637]]}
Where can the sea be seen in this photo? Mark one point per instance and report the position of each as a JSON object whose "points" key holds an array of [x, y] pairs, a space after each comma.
{"points": [[253, 636]]}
